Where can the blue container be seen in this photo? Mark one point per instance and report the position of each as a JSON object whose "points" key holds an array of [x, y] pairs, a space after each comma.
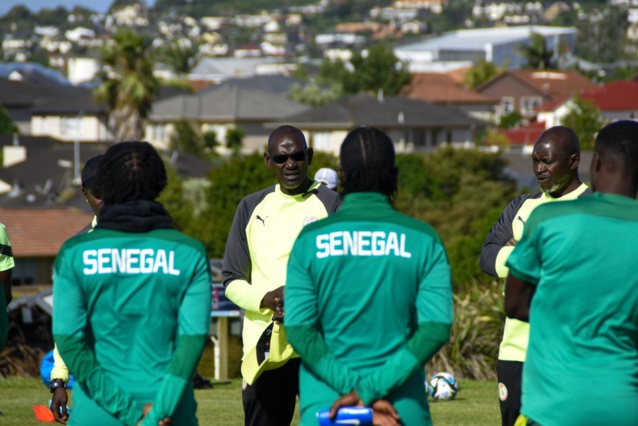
{"points": [[346, 416]]}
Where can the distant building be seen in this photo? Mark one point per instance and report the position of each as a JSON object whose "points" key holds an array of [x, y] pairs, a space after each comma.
{"points": [[526, 90], [497, 45], [412, 124]]}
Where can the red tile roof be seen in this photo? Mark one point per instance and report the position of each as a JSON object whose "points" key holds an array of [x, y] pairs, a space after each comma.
{"points": [[558, 84], [613, 96], [41, 232], [443, 89], [616, 95], [525, 135]]}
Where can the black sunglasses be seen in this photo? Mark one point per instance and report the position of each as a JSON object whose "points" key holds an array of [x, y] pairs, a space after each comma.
{"points": [[283, 158]]}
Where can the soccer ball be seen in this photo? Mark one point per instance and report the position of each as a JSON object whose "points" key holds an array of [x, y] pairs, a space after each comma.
{"points": [[443, 386]]}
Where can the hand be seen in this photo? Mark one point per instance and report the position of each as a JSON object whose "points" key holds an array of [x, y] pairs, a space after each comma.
{"points": [[58, 405], [147, 408], [348, 400], [384, 413], [511, 243], [274, 300]]}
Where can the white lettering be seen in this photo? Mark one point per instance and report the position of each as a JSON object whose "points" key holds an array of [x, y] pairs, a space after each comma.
{"points": [[90, 261], [171, 263], [336, 239], [392, 244], [103, 260], [403, 252], [350, 243], [362, 243], [132, 258], [119, 260], [146, 261], [129, 261], [160, 262], [323, 245]]}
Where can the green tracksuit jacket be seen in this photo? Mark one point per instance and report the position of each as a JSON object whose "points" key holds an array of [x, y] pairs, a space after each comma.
{"points": [[368, 302], [131, 316]]}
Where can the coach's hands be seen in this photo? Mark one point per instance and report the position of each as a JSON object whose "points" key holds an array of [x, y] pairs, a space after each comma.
{"points": [[147, 408], [274, 300], [59, 400], [384, 413]]}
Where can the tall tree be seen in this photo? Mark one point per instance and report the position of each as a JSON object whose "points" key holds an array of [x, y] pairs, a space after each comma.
{"points": [[480, 73], [537, 54], [180, 55], [7, 126], [586, 120], [380, 69], [128, 85]]}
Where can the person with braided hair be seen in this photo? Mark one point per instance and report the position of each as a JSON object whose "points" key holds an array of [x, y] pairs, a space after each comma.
{"points": [[368, 296], [132, 301]]}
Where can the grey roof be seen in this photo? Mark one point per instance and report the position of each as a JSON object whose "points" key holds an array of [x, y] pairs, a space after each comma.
{"points": [[47, 183], [76, 101], [229, 67], [391, 112], [229, 103], [35, 73], [478, 39], [278, 84]]}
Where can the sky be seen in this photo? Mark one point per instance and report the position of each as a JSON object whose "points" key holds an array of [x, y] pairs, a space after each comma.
{"points": [[35, 5]]}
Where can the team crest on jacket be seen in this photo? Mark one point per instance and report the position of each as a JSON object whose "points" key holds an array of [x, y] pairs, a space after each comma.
{"points": [[502, 392], [309, 220]]}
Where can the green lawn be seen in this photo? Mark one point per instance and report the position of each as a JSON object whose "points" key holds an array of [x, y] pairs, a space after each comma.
{"points": [[476, 404]]}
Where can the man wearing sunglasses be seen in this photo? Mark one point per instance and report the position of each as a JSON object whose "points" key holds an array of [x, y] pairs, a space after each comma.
{"points": [[264, 229]]}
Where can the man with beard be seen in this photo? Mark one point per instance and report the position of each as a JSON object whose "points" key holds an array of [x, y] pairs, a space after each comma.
{"points": [[264, 229], [555, 161]]}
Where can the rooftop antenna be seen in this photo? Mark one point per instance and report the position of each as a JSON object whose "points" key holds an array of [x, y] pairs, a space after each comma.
{"points": [[77, 179]]}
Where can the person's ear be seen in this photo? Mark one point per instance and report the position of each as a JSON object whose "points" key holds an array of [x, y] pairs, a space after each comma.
{"points": [[310, 154], [574, 161], [342, 176], [596, 163], [267, 160]]}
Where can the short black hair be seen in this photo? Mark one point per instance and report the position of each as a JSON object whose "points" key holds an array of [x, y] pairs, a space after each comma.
{"points": [[620, 139], [89, 172], [367, 159], [286, 129], [130, 171]]}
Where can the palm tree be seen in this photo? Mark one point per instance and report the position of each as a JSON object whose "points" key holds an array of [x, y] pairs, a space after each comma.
{"points": [[128, 85], [180, 55], [537, 55]]}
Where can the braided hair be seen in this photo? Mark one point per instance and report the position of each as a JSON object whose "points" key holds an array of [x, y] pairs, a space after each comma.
{"points": [[130, 171], [367, 159]]}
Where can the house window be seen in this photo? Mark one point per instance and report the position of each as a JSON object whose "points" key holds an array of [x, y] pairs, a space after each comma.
{"points": [[507, 105], [322, 141], [70, 126], [530, 103], [159, 133]]}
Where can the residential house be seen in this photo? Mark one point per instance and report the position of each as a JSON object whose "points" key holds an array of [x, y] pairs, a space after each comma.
{"points": [[216, 70], [76, 116], [444, 89], [526, 90], [616, 100], [496, 45], [413, 125], [220, 109], [36, 237], [435, 6]]}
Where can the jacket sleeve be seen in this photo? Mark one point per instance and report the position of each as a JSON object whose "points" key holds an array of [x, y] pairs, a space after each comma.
{"points": [[302, 329], [434, 308], [69, 325], [193, 326], [237, 264], [494, 252], [59, 370]]}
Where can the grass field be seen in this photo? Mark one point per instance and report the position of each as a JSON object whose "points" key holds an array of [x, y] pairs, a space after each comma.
{"points": [[475, 405]]}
